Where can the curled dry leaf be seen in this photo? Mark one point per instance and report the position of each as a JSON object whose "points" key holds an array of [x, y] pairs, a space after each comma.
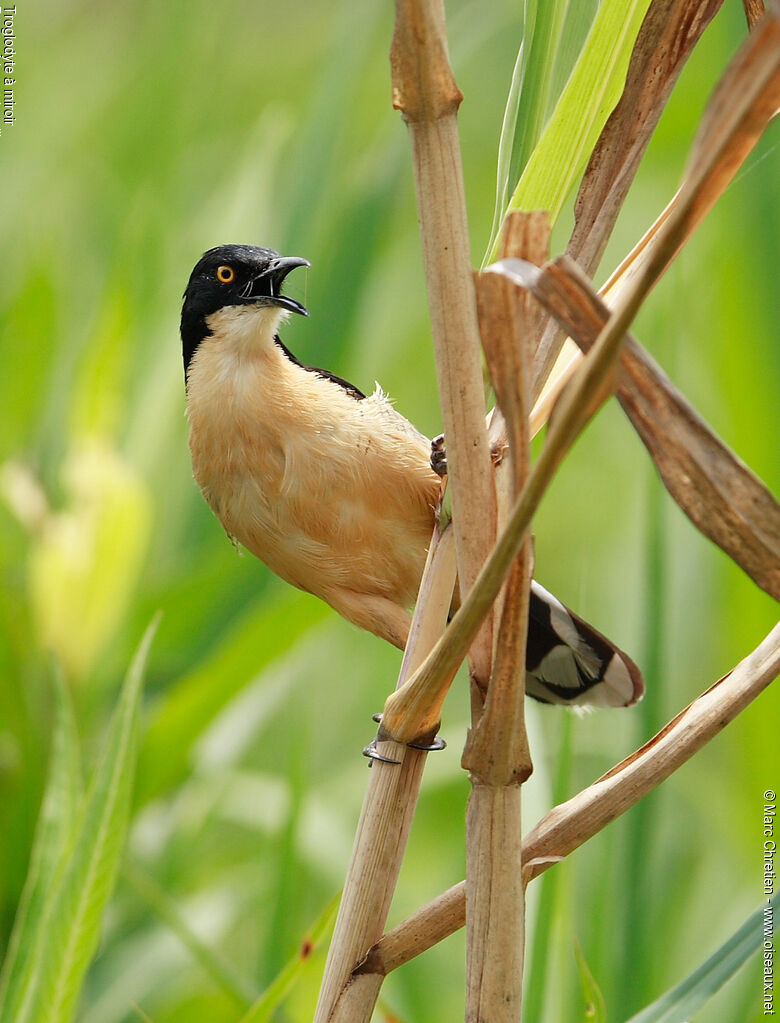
{"points": [[716, 490]]}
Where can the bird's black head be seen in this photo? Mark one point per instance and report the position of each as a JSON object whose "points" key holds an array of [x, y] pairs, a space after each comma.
{"points": [[233, 275]]}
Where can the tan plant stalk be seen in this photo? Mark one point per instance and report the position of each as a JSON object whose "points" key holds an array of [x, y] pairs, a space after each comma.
{"points": [[425, 91], [745, 100], [754, 11], [389, 802], [497, 755], [569, 825]]}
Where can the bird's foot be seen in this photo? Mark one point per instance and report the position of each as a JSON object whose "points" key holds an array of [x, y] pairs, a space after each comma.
{"points": [[371, 752], [439, 456], [435, 744]]}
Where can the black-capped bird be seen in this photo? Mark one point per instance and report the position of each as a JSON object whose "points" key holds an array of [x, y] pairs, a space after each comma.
{"points": [[333, 489]]}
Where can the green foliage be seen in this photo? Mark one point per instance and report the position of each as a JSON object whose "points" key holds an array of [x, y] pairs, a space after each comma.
{"points": [[78, 846], [688, 997], [53, 840], [550, 167], [310, 954], [595, 1010], [187, 709], [152, 131], [529, 101]]}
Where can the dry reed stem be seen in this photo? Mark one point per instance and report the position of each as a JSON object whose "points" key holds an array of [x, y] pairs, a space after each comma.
{"points": [[412, 720], [738, 120], [425, 92], [495, 904], [434, 139], [754, 11], [569, 825], [497, 753], [380, 841], [389, 803], [670, 31]]}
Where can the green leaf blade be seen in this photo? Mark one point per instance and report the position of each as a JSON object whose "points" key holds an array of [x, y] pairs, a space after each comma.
{"points": [[528, 101], [54, 832], [270, 1000], [506, 146], [73, 924], [537, 83], [688, 997], [586, 102], [595, 1011]]}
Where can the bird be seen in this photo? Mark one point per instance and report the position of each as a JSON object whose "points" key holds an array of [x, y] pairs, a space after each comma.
{"points": [[333, 489]]}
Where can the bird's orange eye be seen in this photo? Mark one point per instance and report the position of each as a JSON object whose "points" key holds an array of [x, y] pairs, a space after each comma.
{"points": [[226, 274]]}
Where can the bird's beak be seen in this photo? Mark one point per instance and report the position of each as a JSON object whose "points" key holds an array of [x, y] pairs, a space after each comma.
{"points": [[265, 289]]}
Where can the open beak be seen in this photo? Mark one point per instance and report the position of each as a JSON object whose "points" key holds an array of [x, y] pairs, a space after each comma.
{"points": [[266, 288]]}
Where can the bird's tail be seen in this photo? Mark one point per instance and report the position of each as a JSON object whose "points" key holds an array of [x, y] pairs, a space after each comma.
{"points": [[570, 662]]}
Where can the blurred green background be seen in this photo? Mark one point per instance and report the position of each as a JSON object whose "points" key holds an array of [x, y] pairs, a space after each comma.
{"points": [[147, 132]]}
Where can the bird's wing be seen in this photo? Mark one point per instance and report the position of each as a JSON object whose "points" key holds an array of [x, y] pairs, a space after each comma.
{"points": [[326, 374], [570, 662]]}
